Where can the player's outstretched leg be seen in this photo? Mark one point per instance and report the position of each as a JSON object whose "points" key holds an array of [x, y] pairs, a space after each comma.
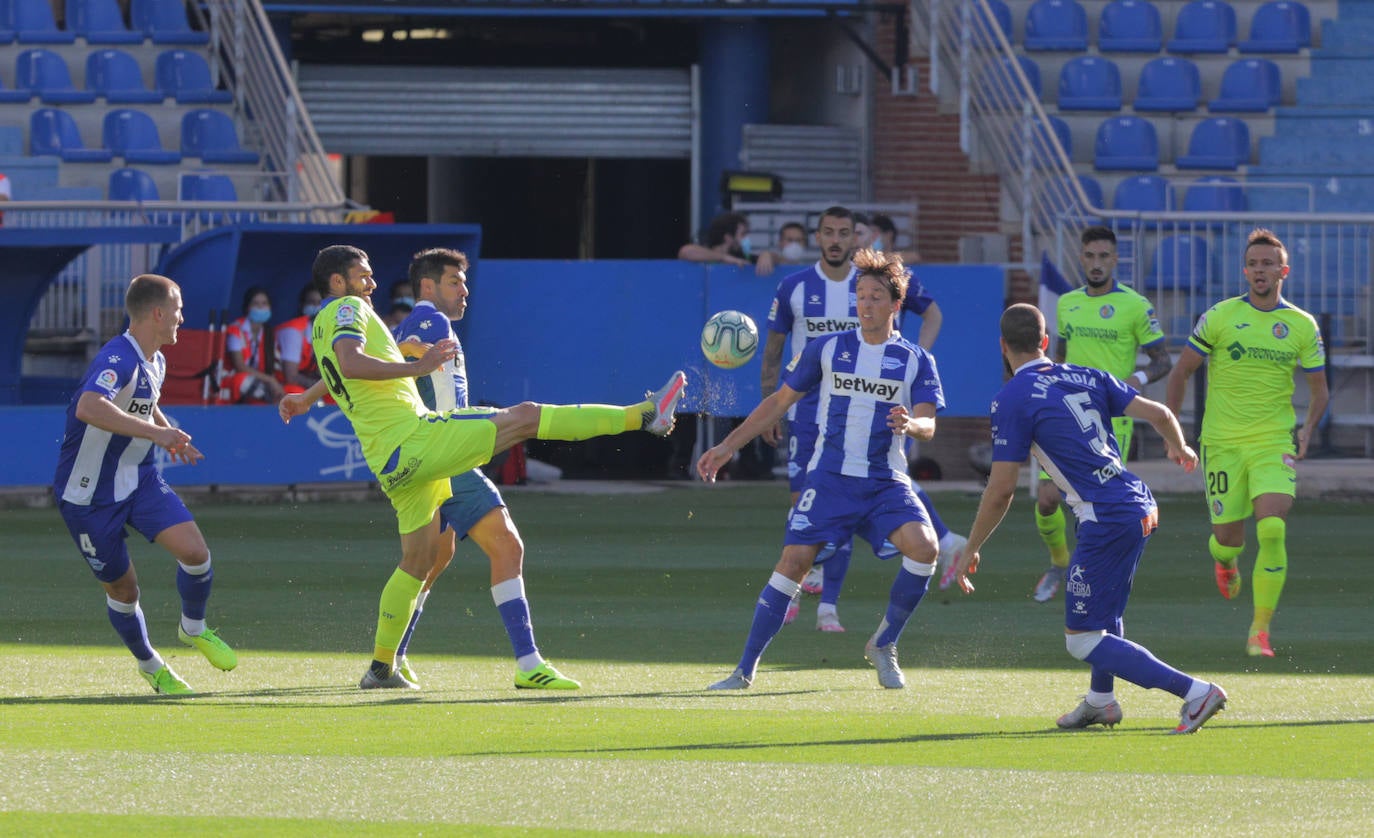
{"points": [[573, 422], [658, 417]]}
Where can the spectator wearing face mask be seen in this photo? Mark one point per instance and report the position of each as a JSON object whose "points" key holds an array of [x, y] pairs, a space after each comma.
{"points": [[296, 367], [727, 240], [792, 243], [248, 354]]}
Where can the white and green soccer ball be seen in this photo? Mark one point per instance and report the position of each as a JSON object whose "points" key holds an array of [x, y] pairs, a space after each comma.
{"points": [[729, 339]]}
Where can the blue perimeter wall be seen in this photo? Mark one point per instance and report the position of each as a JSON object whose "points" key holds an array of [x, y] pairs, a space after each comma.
{"points": [[557, 332]]}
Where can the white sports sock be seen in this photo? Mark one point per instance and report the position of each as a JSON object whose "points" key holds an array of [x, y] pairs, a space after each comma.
{"points": [[826, 608], [194, 628], [1197, 690], [1099, 700]]}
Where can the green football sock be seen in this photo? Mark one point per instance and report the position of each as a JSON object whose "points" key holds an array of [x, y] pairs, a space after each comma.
{"points": [[584, 421], [1222, 553], [1271, 569], [1051, 529], [393, 613]]}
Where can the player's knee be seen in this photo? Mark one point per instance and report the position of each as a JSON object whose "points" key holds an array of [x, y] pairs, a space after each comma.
{"points": [[122, 591], [193, 556], [1272, 530], [1081, 645]]}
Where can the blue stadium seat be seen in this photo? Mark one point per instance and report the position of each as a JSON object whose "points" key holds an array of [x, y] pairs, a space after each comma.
{"points": [[1222, 142], [114, 75], [8, 96], [1126, 143], [1144, 193], [183, 75], [164, 21], [1279, 27], [133, 135], [1001, 14], [1168, 84], [1089, 83], [206, 186], [1249, 85], [1061, 194], [1056, 25], [6, 23], [1215, 194], [1181, 263], [132, 185], [1130, 26], [53, 132], [210, 135], [100, 22], [34, 23], [1001, 85], [1206, 26], [44, 73], [1040, 144]]}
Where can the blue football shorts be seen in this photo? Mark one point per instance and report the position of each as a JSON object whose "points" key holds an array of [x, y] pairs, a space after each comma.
{"points": [[801, 444], [834, 507], [99, 530], [473, 497], [1101, 571]]}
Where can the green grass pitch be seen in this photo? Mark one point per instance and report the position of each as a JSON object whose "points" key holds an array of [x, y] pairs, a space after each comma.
{"points": [[646, 598]]}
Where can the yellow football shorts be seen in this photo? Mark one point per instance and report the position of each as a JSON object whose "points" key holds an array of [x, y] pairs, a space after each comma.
{"points": [[1237, 474], [416, 479]]}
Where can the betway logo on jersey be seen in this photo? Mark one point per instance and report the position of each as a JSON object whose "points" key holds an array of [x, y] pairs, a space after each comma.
{"points": [[845, 384], [818, 326], [141, 407]]}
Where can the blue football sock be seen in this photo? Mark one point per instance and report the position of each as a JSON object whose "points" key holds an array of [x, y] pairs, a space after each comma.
{"points": [[1103, 681], [834, 570], [127, 619], [414, 619], [193, 583], [913, 578], [940, 529], [514, 609], [1136, 664], [768, 615]]}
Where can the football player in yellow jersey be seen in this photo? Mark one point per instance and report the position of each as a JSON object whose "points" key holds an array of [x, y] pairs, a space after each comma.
{"points": [[413, 451], [1102, 325], [1253, 344]]}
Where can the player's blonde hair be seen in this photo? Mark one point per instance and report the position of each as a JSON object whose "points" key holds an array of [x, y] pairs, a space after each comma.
{"points": [[1262, 236], [146, 292], [886, 268]]}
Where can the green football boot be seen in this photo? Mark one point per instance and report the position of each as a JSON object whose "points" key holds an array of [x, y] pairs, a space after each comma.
{"points": [[167, 682], [216, 651], [544, 677]]}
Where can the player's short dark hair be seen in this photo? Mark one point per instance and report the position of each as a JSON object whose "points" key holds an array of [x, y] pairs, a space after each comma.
{"points": [[884, 223], [836, 211], [724, 225], [1023, 328], [145, 292], [430, 264], [1098, 233], [1260, 235], [253, 291], [885, 267], [335, 259]]}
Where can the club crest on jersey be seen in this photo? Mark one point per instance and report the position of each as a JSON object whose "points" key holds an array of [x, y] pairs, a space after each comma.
{"points": [[1217, 507], [107, 380], [1106, 312], [345, 315], [891, 363], [1280, 330]]}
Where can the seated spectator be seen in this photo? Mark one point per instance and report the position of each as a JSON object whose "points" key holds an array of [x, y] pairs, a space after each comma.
{"points": [[727, 240], [887, 240], [402, 303], [296, 367], [248, 347], [792, 243]]}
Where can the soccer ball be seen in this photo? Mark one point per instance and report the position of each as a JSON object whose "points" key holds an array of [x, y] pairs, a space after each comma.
{"points": [[729, 339]]}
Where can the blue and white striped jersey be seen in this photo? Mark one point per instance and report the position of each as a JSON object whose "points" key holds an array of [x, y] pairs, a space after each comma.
{"points": [[96, 467], [447, 387], [1062, 414], [855, 384], [809, 305]]}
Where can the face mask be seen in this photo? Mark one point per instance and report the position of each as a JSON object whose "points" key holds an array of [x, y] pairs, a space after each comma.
{"points": [[259, 315], [746, 247], [404, 301], [793, 251], [310, 309]]}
